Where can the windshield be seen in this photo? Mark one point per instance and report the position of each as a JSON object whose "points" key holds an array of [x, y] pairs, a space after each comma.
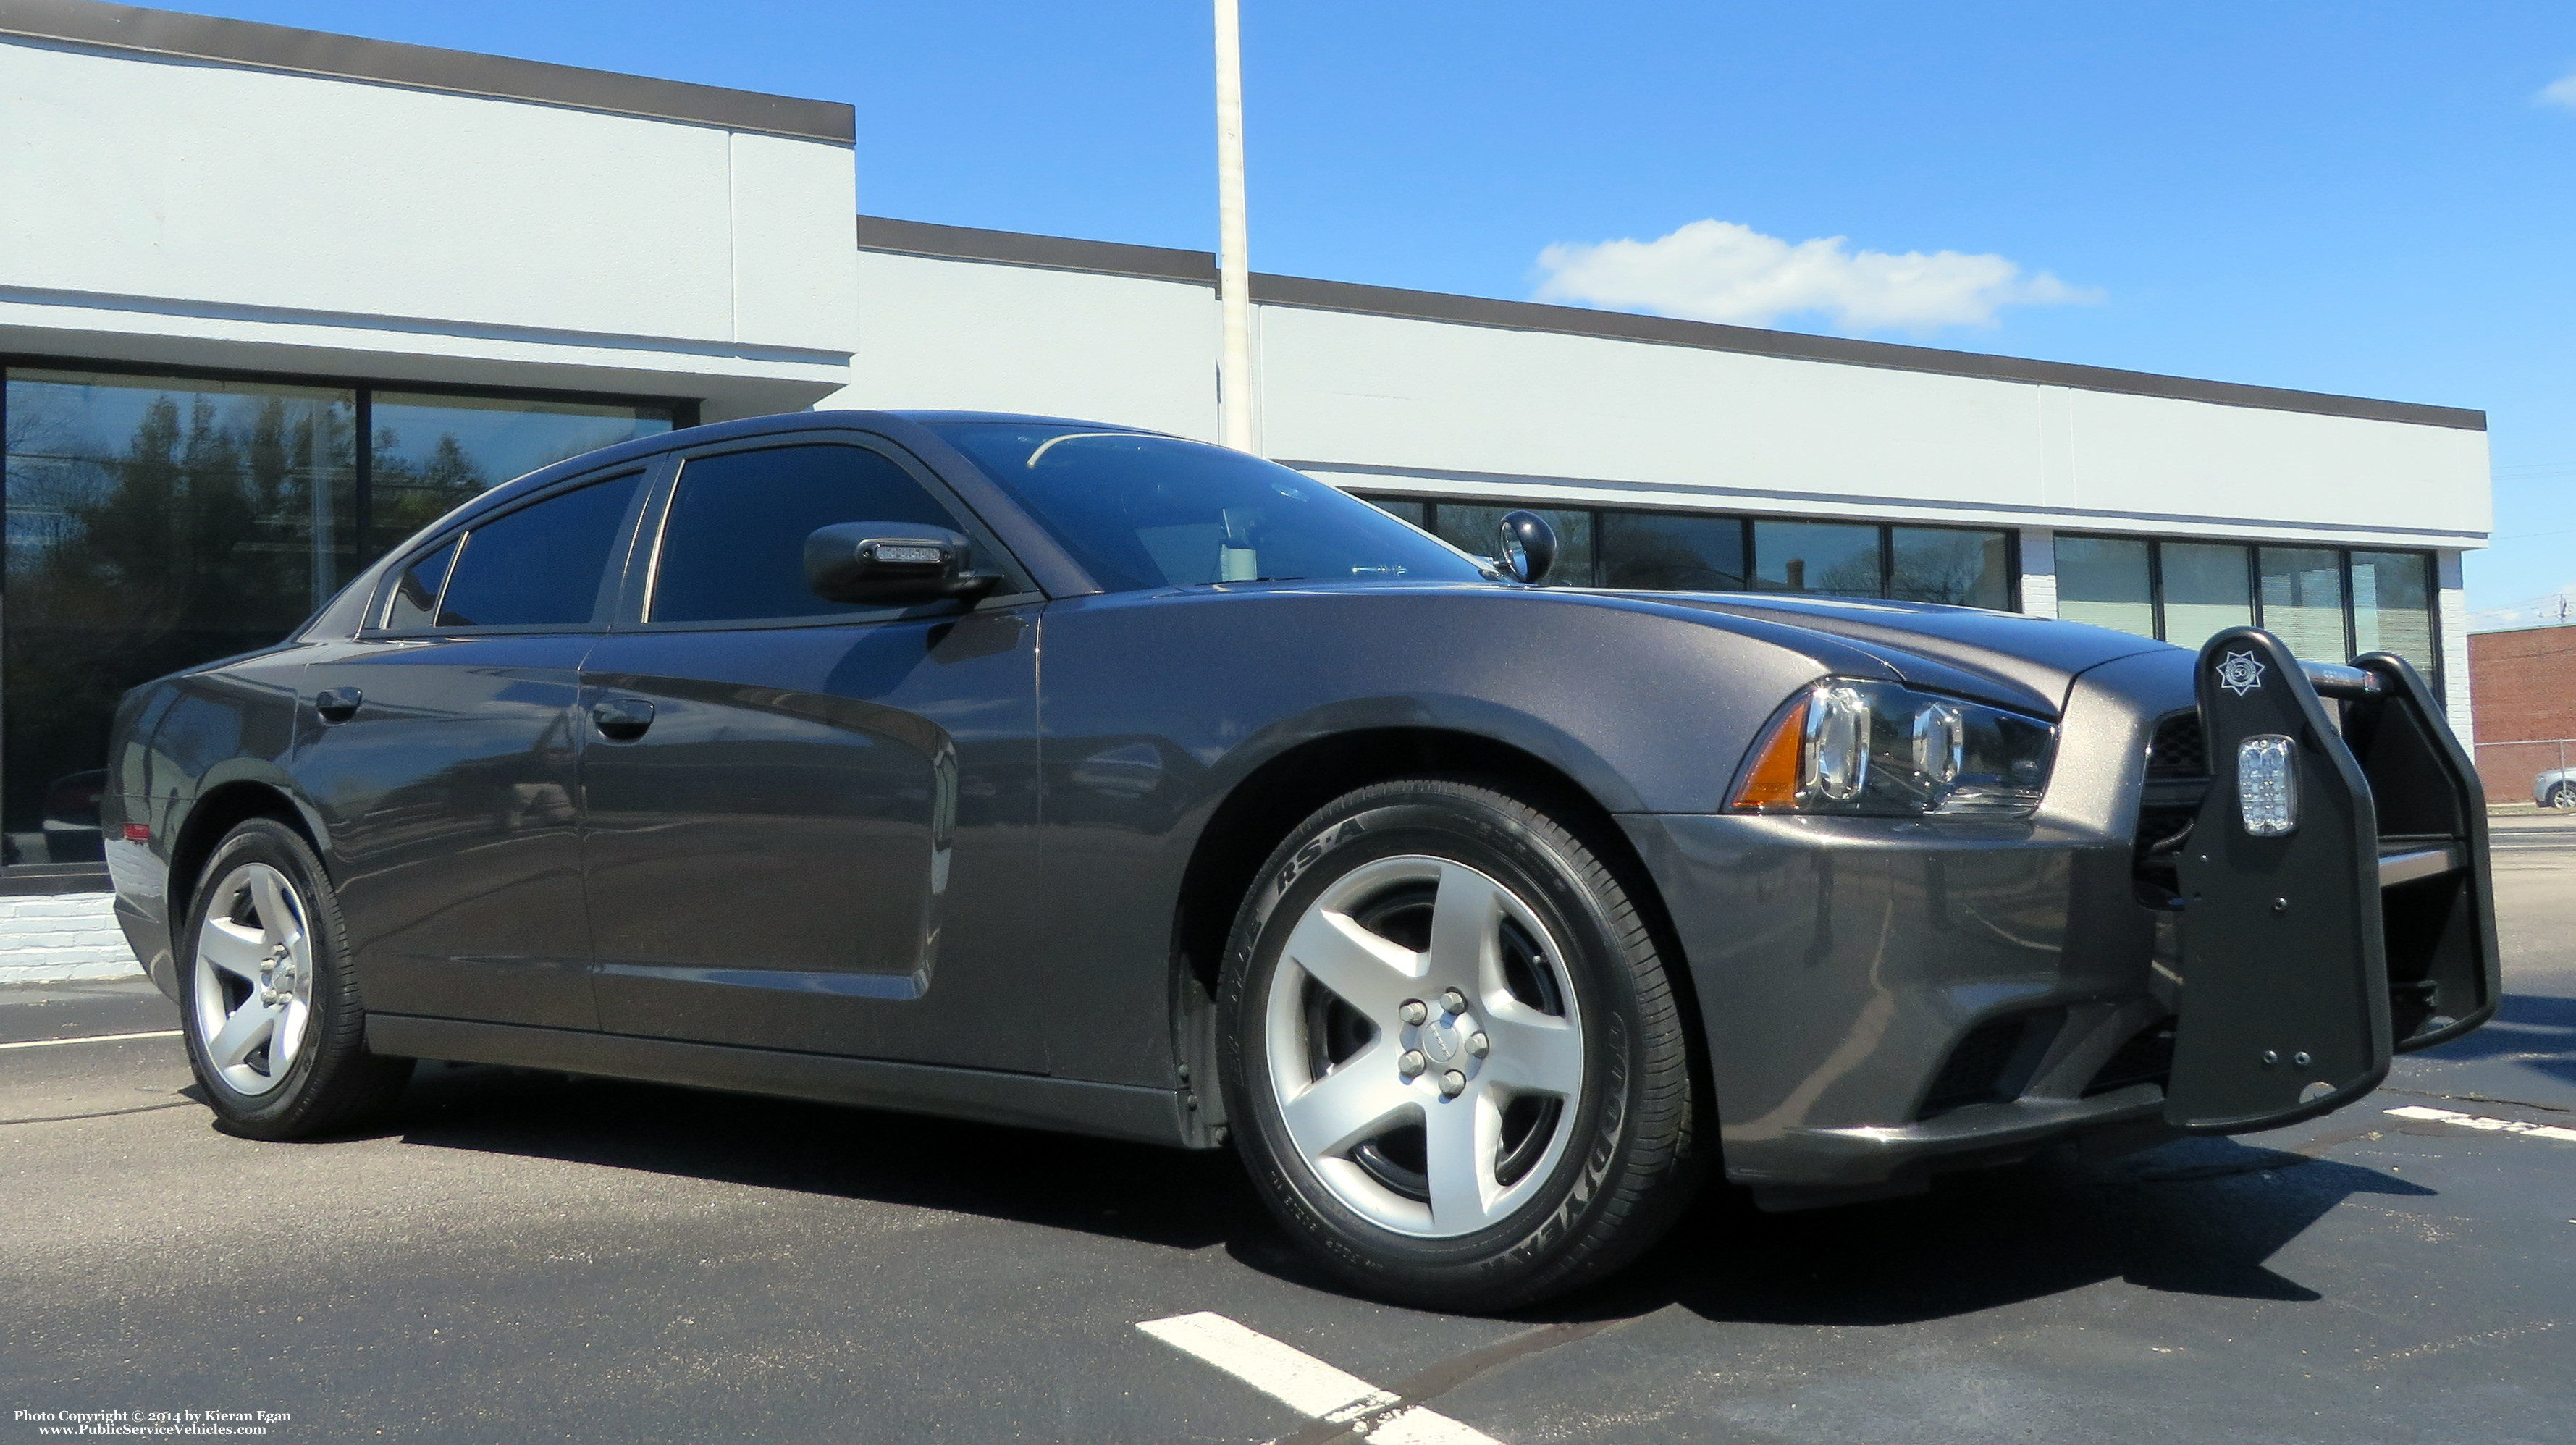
{"points": [[1141, 511]]}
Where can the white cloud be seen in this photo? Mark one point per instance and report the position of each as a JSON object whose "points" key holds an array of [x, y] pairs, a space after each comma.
{"points": [[1720, 271], [2561, 91]]}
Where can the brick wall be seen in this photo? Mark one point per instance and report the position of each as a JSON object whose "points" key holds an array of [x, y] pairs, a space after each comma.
{"points": [[2524, 684], [63, 936]]}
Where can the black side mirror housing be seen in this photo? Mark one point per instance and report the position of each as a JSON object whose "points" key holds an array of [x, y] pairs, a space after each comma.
{"points": [[1529, 547], [892, 564]]}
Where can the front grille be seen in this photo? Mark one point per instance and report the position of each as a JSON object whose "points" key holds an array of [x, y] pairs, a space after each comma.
{"points": [[1993, 1063], [2147, 1058], [2177, 749], [2177, 780]]}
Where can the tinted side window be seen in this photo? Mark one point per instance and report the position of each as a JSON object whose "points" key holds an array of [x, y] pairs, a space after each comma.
{"points": [[539, 566], [415, 599], [734, 547]]}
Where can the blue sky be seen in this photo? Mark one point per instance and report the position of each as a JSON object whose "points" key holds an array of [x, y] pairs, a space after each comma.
{"points": [[2373, 199]]}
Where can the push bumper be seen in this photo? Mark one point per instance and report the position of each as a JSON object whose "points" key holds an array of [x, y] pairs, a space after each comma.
{"points": [[1887, 999]]}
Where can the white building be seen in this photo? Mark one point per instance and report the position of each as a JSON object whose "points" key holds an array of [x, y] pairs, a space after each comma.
{"points": [[271, 298]]}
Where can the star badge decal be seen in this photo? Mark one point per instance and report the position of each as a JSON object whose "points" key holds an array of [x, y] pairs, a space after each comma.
{"points": [[2240, 672]]}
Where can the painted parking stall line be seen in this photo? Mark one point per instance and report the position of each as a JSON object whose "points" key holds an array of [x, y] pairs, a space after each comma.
{"points": [[91, 1039], [2477, 1121], [1308, 1385]]}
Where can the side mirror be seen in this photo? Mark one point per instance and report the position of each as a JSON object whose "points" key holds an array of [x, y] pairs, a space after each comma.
{"points": [[892, 564], [1529, 546]]}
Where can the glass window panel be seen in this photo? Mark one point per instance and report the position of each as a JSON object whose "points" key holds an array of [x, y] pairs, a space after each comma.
{"points": [[2303, 600], [541, 565], [1672, 551], [1405, 508], [1834, 559], [2392, 605], [2206, 591], [153, 523], [1478, 532], [1141, 511], [1950, 564], [415, 599], [431, 452], [734, 548], [2105, 581]]}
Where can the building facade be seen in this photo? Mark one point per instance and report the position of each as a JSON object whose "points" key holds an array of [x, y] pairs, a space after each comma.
{"points": [[2524, 683], [271, 299]]}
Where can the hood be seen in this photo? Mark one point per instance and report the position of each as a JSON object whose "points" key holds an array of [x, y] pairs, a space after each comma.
{"points": [[2018, 660]]}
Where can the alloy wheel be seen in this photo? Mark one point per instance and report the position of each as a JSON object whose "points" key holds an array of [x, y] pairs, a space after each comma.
{"points": [[1425, 1046], [252, 996]]}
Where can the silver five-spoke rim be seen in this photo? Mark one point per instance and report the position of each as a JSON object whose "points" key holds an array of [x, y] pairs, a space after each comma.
{"points": [[252, 998], [1425, 1046]]}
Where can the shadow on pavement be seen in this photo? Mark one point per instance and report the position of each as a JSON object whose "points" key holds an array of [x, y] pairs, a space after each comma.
{"points": [[1169, 1197], [2196, 1217], [2535, 1031]]}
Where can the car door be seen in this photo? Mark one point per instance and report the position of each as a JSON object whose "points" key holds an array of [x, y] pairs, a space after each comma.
{"points": [[442, 750], [811, 825]]}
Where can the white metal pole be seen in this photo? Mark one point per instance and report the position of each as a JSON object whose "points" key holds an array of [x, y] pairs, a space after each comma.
{"points": [[1233, 263]]}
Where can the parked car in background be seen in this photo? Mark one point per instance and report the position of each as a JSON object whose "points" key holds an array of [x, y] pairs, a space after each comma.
{"points": [[2555, 788], [1061, 774]]}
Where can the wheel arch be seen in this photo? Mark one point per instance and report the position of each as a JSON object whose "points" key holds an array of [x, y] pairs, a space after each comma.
{"points": [[1285, 789], [216, 812]]}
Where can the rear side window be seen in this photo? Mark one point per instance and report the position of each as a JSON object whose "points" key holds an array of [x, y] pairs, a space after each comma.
{"points": [[539, 566], [415, 599], [733, 549]]}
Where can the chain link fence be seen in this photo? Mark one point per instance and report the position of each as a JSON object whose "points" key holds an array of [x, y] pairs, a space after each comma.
{"points": [[2509, 769]]}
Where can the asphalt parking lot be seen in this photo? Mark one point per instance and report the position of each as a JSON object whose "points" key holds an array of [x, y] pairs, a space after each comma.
{"points": [[523, 1257]]}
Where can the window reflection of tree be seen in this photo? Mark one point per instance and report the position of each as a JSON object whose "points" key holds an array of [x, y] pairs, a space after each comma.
{"points": [[220, 521], [407, 493]]}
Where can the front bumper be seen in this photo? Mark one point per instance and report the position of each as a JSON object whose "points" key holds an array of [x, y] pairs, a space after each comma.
{"points": [[1884, 999]]}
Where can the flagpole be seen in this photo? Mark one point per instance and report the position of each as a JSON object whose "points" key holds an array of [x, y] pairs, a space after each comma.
{"points": [[1234, 265]]}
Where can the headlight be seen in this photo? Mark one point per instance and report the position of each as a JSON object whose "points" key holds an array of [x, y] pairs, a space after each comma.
{"points": [[1877, 749]]}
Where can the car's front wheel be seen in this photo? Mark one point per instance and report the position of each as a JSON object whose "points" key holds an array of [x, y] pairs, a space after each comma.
{"points": [[2563, 797], [271, 1013], [1456, 1065]]}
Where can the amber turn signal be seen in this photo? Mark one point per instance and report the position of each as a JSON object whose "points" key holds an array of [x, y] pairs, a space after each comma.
{"points": [[1772, 781]]}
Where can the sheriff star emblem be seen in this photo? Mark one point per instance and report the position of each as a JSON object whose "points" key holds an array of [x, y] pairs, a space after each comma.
{"points": [[2240, 672]]}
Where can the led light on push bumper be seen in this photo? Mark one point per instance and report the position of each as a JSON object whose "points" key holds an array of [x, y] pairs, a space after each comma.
{"points": [[1878, 749], [2267, 785]]}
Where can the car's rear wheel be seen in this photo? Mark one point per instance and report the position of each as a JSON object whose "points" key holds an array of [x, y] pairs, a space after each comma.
{"points": [[2563, 796], [275, 1029], [1455, 1063]]}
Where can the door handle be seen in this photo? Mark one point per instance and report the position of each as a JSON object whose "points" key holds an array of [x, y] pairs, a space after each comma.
{"points": [[622, 719], [338, 704]]}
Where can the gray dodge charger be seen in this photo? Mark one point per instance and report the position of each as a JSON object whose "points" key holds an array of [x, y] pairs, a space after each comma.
{"points": [[1072, 776]]}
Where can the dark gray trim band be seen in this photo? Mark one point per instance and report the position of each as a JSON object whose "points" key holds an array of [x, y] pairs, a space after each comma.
{"points": [[1018, 248], [963, 243], [423, 67]]}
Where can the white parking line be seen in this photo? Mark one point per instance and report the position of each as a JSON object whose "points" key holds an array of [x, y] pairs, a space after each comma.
{"points": [[1308, 1385], [92, 1039], [2474, 1121]]}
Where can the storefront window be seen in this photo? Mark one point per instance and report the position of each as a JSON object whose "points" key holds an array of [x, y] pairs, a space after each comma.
{"points": [[432, 452], [158, 522], [1950, 564], [1672, 551], [2207, 591], [2392, 605], [1837, 559], [2108, 582], [2303, 600]]}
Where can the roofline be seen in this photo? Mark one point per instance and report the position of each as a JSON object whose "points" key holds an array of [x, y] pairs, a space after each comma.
{"points": [[423, 67], [966, 243]]}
